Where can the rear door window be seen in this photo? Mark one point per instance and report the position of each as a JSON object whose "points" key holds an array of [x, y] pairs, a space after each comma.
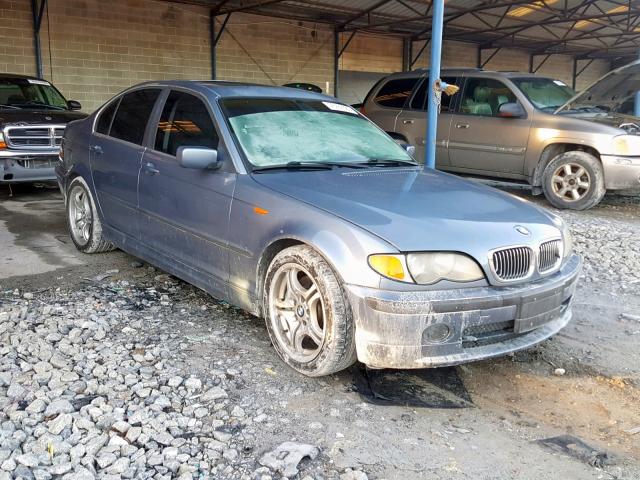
{"points": [[185, 122], [133, 113], [418, 102], [394, 93]]}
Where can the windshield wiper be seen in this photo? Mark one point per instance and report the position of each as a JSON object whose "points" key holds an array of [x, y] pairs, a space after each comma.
{"points": [[12, 107], [295, 166], [389, 162]]}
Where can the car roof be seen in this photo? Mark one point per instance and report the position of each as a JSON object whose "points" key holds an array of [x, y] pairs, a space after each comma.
{"points": [[7, 76], [423, 72], [228, 89]]}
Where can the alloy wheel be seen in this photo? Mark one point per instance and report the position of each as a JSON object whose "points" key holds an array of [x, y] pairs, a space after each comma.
{"points": [[80, 215], [571, 182], [297, 312]]}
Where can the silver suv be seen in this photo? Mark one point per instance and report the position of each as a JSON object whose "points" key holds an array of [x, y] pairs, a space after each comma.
{"points": [[523, 127]]}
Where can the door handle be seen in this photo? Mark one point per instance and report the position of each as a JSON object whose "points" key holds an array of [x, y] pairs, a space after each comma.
{"points": [[97, 149], [462, 125], [407, 122], [150, 168]]}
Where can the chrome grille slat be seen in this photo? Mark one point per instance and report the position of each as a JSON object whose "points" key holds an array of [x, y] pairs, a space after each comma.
{"points": [[513, 263], [550, 255], [38, 137]]}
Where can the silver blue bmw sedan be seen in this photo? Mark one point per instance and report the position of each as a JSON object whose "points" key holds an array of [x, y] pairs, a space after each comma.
{"points": [[295, 207]]}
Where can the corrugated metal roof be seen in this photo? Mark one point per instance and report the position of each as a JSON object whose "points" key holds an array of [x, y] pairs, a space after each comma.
{"points": [[580, 27]]}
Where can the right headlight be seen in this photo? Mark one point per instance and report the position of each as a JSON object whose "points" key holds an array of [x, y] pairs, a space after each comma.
{"points": [[431, 267]]}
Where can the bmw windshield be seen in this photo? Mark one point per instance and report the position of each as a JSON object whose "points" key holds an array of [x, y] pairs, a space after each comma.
{"points": [[279, 132], [30, 94]]}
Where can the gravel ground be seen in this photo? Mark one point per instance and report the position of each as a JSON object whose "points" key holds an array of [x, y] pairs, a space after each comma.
{"points": [[122, 371]]}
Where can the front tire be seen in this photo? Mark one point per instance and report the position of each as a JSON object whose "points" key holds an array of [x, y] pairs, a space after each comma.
{"points": [[574, 180], [85, 227], [308, 317]]}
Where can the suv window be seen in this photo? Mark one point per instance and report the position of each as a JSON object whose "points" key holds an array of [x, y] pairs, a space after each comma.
{"points": [[420, 97], [103, 124], [185, 121], [483, 96], [395, 93], [133, 114]]}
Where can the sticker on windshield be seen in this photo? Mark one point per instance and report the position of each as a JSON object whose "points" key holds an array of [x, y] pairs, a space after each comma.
{"points": [[558, 82], [38, 82], [338, 107]]}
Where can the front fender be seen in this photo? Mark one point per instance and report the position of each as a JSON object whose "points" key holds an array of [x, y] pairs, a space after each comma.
{"points": [[253, 236]]}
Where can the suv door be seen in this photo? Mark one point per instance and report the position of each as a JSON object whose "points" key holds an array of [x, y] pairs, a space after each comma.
{"points": [[481, 140], [184, 213], [384, 106], [412, 122], [115, 154]]}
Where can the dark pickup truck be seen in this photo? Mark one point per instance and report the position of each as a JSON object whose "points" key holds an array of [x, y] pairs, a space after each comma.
{"points": [[33, 116]]}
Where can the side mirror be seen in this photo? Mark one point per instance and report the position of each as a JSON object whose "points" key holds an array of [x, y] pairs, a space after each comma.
{"points": [[74, 105], [511, 110], [198, 158], [410, 149]]}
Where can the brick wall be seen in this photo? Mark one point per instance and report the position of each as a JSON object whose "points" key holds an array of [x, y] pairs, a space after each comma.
{"points": [[16, 37], [273, 51]]}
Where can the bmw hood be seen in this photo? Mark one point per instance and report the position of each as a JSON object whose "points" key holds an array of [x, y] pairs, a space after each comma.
{"points": [[418, 210]]}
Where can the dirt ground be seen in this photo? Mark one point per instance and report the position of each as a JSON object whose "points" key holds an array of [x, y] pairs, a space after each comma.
{"points": [[482, 421]]}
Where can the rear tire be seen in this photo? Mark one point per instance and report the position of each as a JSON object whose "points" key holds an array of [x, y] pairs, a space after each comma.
{"points": [[307, 313], [574, 180], [83, 222]]}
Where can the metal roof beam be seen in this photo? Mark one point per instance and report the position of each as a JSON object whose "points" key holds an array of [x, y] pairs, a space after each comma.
{"points": [[363, 13]]}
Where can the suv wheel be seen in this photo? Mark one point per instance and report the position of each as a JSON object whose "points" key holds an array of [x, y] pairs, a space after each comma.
{"points": [[84, 224], [574, 180], [307, 315]]}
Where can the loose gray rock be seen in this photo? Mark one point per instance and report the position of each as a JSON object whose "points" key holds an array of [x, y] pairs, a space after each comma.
{"points": [[286, 457]]}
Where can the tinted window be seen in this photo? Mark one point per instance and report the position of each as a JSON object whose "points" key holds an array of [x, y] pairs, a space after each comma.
{"points": [[132, 115], [395, 92], [104, 120], [185, 122], [483, 96], [419, 99]]}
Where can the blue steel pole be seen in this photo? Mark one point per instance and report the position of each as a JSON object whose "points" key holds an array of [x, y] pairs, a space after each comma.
{"points": [[437, 21], [636, 105]]}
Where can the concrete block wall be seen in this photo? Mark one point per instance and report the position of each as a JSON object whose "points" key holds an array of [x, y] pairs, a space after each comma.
{"points": [[16, 37], [273, 51]]}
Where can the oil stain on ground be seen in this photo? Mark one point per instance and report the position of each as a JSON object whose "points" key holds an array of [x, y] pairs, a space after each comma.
{"points": [[429, 388]]}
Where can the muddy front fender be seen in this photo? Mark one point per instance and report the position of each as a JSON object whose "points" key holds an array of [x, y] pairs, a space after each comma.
{"points": [[263, 222]]}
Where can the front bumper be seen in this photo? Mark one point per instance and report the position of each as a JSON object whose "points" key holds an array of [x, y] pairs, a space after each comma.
{"points": [[621, 173], [395, 329], [24, 166]]}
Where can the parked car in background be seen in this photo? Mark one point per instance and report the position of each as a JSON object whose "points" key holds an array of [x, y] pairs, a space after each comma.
{"points": [[297, 208], [309, 87], [33, 116], [518, 126]]}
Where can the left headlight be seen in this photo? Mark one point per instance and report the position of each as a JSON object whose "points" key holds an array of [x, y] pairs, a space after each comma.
{"points": [[626, 145], [427, 268], [567, 240]]}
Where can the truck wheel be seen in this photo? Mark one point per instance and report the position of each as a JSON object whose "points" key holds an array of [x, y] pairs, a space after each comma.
{"points": [[574, 180], [307, 314], [84, 224]]}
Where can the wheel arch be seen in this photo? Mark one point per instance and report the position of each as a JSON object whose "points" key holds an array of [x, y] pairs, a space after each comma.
{"points": [[552, 151]]}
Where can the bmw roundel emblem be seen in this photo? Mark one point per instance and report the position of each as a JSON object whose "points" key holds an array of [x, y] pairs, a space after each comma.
{"points": [[523, 230], [48, 118]]}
